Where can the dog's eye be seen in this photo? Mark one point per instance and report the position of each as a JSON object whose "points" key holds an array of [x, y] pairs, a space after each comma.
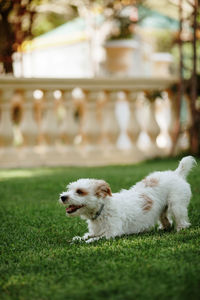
{"points": [[80, 192]]}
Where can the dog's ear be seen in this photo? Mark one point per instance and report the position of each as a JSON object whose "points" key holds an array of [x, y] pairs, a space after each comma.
{"points": [[103, 189]]}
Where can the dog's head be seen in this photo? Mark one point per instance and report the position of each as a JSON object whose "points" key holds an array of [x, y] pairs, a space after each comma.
{"points": [[84, 197]]}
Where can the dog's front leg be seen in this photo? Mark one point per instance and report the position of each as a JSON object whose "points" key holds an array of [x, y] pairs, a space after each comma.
{"points": [[93, 239], [98, 237], [86, 236]]}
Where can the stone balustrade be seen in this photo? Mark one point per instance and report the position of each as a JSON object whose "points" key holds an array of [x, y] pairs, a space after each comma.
{"points": [[83, 121]]}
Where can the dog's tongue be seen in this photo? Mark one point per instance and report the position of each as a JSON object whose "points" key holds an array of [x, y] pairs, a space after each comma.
{"points": [[72, 208]]}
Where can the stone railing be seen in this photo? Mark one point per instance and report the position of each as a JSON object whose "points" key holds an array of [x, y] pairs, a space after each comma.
{"points": [[77, 122]]}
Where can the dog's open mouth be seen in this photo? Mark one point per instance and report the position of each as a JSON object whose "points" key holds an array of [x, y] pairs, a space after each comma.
{"points": [[73, 208]]}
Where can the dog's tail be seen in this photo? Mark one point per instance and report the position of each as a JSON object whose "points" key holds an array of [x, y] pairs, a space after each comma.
{"points": [[185, 165]]}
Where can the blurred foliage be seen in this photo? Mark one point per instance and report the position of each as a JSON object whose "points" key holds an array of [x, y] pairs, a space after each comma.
{"points": [[123, 22], [123, 29], [46, 22], [152, 95], [21, 20], [187, 58], [163, 40], [49, 14], [44, 17]]}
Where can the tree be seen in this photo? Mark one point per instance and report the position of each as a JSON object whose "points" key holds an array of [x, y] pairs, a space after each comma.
{"points": [[195, 128], [19, 22], [16, 19], [190, 84]]}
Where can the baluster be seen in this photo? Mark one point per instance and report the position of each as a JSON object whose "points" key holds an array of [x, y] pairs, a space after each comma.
{"points": [[49, 124], [123, 114], [91, 126], [28, 125], [6, 123], [164, 120], [69, 128], [153, 129], [110, 126], [134, 128], [8, 155], [38, 109], [149, 126]]}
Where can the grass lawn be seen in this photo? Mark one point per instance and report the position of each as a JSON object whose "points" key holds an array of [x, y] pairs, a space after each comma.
{"points": [[37, 260]]}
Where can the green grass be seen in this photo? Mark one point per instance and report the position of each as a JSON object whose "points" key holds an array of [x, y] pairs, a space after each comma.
{"points": [[37, 260]]}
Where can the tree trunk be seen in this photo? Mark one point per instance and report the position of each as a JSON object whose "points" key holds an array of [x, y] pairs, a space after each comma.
{"points": [[7, 40], [195, 128]]}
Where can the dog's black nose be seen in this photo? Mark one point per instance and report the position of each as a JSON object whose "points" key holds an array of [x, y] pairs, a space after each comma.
{"points": [[64, 198]]}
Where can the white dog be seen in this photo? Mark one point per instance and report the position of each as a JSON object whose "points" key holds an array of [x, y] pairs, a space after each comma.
{"points": [[158, 197]]}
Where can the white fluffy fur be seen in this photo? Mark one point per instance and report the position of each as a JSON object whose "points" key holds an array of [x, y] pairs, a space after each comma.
{"points": [[160, 196]]}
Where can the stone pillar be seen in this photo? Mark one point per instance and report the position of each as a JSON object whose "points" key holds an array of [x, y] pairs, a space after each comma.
{"points": [[91, 122], [149, 127], [110, 126], [28, 126], [49, 123], [6, 123], [133, 125], [68, 128], [134, 128], [152, 128]]}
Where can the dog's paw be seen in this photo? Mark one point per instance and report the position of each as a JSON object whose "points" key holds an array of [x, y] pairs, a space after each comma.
{"points": [[183, 226], [77, 238]]}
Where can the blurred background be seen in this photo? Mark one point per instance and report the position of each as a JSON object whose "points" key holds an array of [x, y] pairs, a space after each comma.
{"points": [[98, 82]]}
